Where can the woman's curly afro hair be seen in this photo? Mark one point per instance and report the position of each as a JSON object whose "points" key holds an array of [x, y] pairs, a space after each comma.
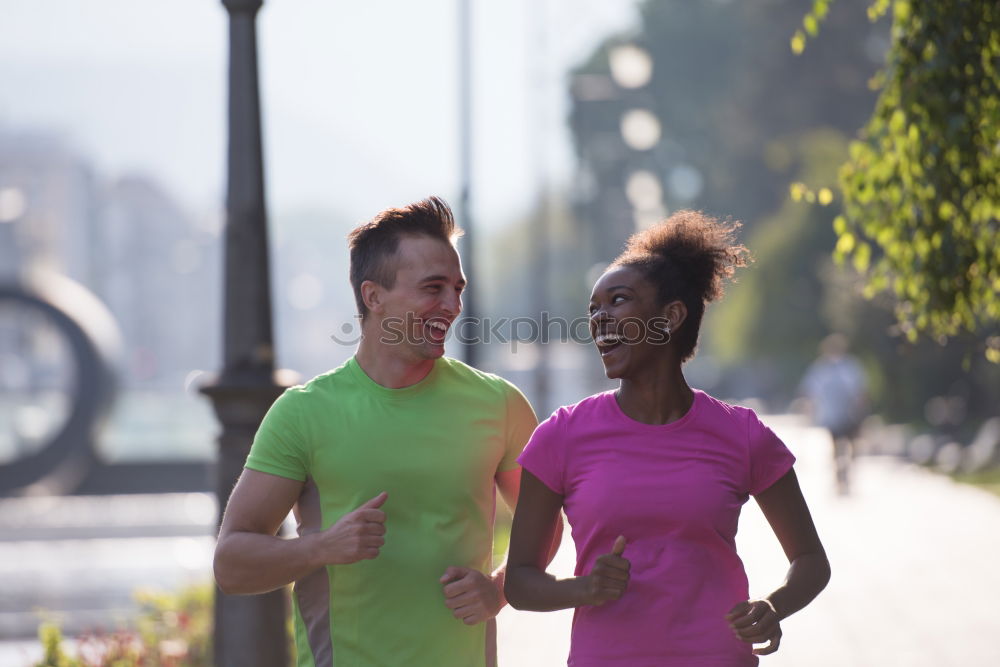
{"points": [[688, 257]]}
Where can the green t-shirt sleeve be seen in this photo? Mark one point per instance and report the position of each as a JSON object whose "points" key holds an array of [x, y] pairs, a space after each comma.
{"points": [[521, 423], [279, 447]]}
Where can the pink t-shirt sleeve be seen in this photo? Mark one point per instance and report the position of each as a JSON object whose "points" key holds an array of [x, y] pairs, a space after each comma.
{"points": [[769, 457], [544, 454]]}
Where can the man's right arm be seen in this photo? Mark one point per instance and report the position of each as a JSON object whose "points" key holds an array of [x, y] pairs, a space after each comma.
{"points": [[249, 556]]}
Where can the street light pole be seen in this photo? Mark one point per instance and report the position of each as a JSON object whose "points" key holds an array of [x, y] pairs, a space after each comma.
{"points": [[249, 630], [541, 259], [465, 140]]}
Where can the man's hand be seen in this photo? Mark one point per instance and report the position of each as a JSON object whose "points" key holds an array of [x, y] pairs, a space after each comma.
{"points": [[756, 622], [358, 535], [609, 577], [471, 595]]}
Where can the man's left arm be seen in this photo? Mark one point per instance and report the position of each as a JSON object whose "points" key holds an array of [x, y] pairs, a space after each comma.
{"points": [[473, 596]]}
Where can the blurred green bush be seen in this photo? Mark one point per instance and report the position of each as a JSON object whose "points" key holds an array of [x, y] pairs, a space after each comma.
{"points": [[172, 630]]}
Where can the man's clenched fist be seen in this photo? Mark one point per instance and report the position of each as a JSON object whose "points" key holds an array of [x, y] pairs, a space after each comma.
{"points": [[358, 535], [471, 595]]}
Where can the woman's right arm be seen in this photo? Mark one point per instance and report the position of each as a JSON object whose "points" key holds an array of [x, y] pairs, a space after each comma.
{"points": [[527, 585]]}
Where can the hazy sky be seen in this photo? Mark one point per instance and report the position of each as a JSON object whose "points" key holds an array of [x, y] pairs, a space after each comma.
{"points": [[360, 105]]}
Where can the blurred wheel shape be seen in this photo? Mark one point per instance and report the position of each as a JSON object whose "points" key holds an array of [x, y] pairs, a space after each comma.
{"points": [[58, 350]]}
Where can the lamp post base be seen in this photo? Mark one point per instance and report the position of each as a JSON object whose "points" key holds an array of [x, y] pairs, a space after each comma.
{"points": [[250, 630]]}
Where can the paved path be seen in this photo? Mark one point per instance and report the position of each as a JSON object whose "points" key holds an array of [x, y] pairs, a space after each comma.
{"points": [[916, 562], [80, 559], [916, 572]]}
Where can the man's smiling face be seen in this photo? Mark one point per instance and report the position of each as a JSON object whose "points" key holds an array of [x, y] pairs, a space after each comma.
{"points": [[425, 299]]}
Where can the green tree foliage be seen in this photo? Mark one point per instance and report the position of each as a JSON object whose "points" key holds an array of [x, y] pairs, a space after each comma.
{"points": [[922, 186], [725, 89], [751, 117], [770, 322], [777, 311], [729, 98]]}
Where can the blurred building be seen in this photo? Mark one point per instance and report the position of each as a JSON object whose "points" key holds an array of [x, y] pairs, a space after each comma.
{"points": [[126, 240], [48, 207], [160, 276]]}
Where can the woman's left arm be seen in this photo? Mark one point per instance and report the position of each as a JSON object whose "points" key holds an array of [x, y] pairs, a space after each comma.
{"points": [[758, 621]]}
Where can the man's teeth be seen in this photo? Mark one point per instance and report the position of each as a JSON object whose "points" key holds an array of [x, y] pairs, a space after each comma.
{"points": [[607, 339], [439, 325]]}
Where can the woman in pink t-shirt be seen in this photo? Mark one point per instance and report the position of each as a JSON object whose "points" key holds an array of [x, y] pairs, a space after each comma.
{"points": [[652, 477]]}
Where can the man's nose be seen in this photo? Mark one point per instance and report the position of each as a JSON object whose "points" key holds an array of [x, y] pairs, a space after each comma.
{"points": [[452, 303]]}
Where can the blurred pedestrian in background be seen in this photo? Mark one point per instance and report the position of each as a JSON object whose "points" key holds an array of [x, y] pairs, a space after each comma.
{"points": [[836, 389]]}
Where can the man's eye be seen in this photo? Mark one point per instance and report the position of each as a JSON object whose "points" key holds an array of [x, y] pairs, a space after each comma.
{"points": [[618, 297]]}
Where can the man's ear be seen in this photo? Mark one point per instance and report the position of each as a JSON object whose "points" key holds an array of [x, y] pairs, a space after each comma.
{"points": [[372, 294], [675, 313]]}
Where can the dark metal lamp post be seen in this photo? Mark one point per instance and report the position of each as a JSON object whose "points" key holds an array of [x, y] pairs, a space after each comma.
{"points": [[249, 630]]}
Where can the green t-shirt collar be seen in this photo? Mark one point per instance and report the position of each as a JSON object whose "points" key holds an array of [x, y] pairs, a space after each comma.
{"points": [[375, 388]]}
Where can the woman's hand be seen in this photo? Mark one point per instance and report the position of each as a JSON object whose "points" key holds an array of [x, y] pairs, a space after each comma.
{"points": [[756, 622], [609, 577]]}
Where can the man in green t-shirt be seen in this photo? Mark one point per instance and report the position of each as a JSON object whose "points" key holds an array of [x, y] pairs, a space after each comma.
{"points": [[391, 463]]}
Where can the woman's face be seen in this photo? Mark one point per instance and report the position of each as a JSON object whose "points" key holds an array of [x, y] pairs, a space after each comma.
{"points": [[626, 322]]}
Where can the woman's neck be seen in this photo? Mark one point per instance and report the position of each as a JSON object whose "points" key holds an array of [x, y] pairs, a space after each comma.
{"points": [[656, 397]]}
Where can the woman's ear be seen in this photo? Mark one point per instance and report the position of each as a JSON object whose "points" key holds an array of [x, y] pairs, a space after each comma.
{"points": [[675, 313], [371, 294]]}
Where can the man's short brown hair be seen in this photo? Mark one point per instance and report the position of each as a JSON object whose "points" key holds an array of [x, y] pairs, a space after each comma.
{"points": [[374, 245]]}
